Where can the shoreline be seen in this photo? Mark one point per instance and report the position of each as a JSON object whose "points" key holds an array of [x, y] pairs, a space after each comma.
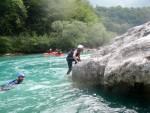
{"points": [[12, 54], [18, 54]]}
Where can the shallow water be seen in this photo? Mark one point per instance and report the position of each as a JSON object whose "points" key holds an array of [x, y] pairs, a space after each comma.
{"points": [[47, 89]]}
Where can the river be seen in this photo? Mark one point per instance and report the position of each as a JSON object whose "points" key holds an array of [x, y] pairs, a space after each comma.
{"points": [[47, 89]]}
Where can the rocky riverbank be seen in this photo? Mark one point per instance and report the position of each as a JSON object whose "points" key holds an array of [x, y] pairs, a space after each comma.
{"points": [[124, 64]]}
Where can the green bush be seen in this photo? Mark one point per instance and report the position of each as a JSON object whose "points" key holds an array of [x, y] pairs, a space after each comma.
{"points": [[32, 43], [5, 45]]}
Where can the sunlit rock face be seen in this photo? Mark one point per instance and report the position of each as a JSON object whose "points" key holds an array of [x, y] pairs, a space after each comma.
{"points": [[124, 62]]}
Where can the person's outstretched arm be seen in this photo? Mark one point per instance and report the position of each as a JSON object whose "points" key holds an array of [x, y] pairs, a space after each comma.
{"points": [[79, 58], [74, 56]]}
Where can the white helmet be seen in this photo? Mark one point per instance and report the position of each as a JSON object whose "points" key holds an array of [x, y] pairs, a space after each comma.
{"points": [[80, 46]]}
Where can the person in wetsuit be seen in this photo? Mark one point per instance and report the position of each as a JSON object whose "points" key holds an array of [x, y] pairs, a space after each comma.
{"points": [[74, 55], [9, 85]]}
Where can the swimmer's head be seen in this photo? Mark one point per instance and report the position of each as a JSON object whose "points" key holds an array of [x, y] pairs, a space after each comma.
{"points": [[21, 77]]}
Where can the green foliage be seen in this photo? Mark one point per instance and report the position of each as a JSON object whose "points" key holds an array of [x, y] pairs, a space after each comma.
{"points": [[12, 16], [32, 44], [119, 20], [73, 34], [69, 34], [42, 13], [33, 26], [6, 45], [98, 36], [84, 12]]}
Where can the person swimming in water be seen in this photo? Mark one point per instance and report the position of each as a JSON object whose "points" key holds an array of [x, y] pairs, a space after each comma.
{"points": [[9, 85]]}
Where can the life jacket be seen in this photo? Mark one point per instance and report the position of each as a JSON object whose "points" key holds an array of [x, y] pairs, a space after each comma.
{"points": [[70, 54]]}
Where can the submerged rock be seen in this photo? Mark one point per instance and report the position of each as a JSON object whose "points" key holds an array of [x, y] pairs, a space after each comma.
{"points": [[125, 62]]}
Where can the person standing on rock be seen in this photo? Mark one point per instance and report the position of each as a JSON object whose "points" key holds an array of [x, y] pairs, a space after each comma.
{"points": [[74, 55]]}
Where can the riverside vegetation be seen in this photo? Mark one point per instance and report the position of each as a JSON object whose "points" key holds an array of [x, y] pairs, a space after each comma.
{"points": [[36, 25]]}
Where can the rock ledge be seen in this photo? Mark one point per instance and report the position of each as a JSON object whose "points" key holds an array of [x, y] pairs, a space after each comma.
{"points": [[124, 62]]}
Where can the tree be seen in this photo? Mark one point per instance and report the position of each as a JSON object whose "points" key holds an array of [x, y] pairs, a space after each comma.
{"points": [[70, 34], [119, 20], [13, 14], [98, 36]]}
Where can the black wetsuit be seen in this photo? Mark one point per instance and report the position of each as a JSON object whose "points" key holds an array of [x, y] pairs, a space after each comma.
{"points": [[9, 85], [70, 59]]}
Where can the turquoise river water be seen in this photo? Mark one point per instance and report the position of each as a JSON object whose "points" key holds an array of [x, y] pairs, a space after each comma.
{"points": [[47, 89]]}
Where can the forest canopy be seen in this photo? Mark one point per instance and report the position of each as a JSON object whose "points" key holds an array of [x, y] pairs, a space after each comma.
{"points": [[119, 19], [34, 26]]}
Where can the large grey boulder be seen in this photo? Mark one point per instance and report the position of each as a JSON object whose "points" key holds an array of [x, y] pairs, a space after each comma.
{"points": [[126, 60]]}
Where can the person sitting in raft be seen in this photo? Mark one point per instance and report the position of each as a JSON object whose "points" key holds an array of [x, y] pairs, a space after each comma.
{"points": [[74, 55], [59, 52], [50, 51], [56, 50], [9, 85]]}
